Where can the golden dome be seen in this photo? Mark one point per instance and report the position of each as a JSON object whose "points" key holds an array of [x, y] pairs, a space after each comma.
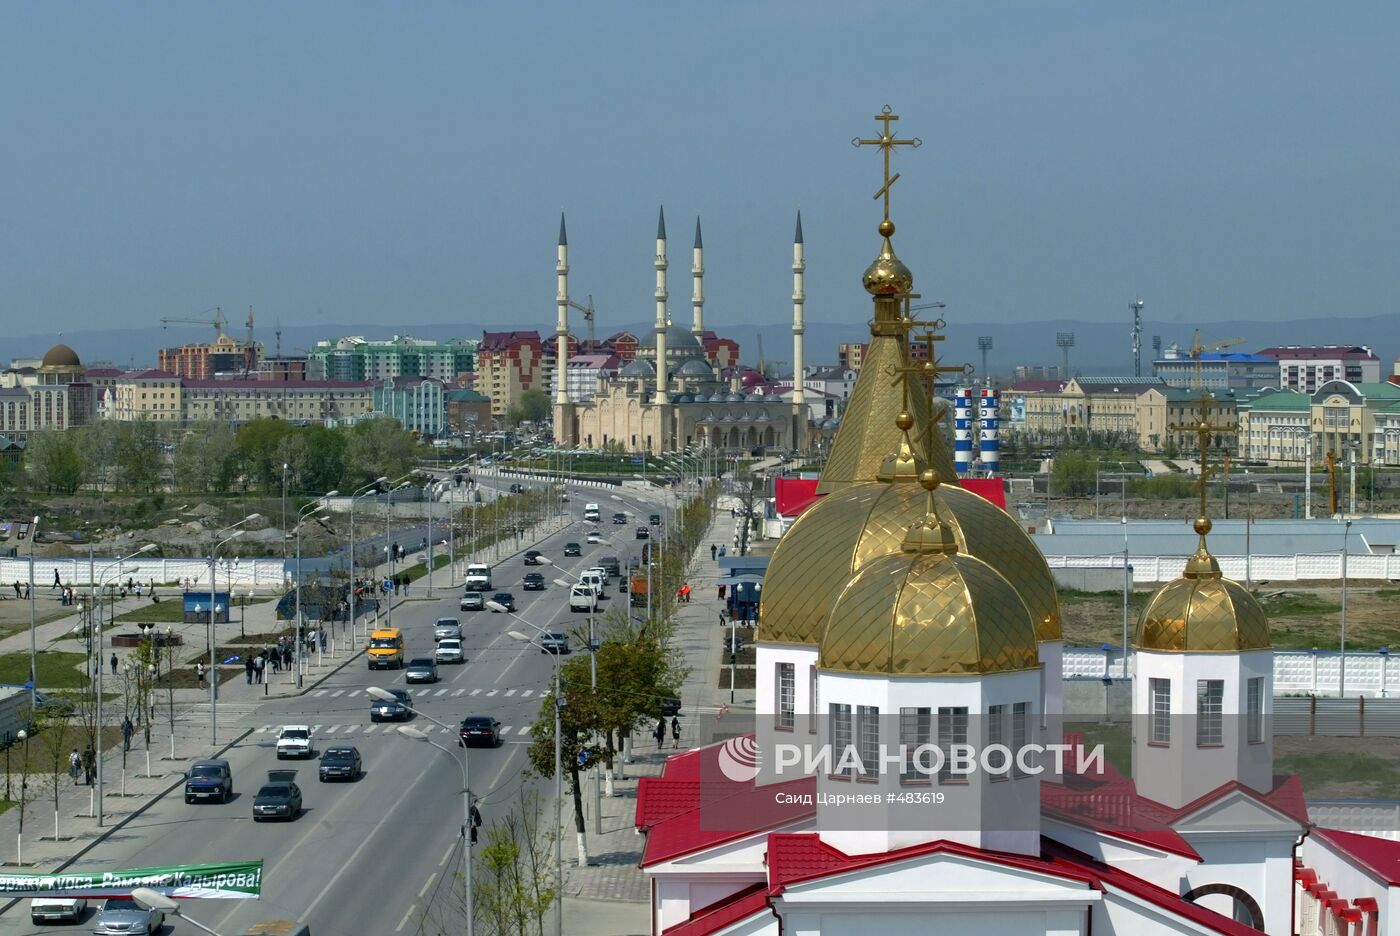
{"points": [[838, 535], [929, 614], [1203, 612], [60, 355], [887, 275]]}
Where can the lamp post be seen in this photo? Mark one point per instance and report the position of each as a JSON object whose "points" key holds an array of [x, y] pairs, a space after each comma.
{"points": [[303, 515], [389, 546], [1342, 657], [155, 900], [214, 607], [33, 648], [362, 491], [408, 731], [593, 684], [558, 766], [284, 510]]}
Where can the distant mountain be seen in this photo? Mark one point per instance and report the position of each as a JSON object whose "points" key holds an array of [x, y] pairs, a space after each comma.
{"points": [[1100, 348]]}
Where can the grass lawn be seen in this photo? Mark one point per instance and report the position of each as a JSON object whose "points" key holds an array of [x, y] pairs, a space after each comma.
{"points": [[415, 572], [171, 610], [743, 678], [58, 669], [184, 677]]}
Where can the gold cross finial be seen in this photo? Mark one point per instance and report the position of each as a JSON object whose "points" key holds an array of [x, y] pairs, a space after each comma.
{"points": [[922, 376], [887, 142], [1204, 429]]}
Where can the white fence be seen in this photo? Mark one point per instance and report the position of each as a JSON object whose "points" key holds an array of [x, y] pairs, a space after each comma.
{"points": [[1312, 672], [245, 573], [1255, 568]]}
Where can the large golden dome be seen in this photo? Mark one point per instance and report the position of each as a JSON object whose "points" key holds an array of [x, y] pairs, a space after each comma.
{"points": [[838, 535], [929, 614], [1203, 612]]}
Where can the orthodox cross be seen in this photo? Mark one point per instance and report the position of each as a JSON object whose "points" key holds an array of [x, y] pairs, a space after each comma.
{"points": [[887, 142], [1204, 429], [923, 376]]}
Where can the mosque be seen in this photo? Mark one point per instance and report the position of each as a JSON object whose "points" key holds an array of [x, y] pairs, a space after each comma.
{"points": [[670, 395], [902, 612]]}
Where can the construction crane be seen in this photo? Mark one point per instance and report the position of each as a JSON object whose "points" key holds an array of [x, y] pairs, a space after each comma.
{"points": [[1197, 349], [587, 311], [218, 321]]}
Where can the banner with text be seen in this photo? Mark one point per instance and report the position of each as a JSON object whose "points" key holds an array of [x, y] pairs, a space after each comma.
{"points": [[234, 880]]}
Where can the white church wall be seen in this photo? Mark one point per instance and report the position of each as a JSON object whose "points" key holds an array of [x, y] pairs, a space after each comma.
{"points": [[1351, 881], [1260, 865], [1165, 869]]}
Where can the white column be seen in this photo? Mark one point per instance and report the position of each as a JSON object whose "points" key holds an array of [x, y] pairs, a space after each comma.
{"points": [[799, 297], [661, 318], [561, 328], [697, 292]]}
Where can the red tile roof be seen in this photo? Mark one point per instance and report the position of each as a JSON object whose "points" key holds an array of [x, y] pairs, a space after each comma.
{"points": [[727, 911], [703, 826], [1379, 856], [501, 341]]}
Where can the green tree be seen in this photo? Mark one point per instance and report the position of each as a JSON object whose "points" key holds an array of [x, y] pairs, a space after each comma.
{"points": [[261, 453], [1072, 476], [205, 458], [98, 444], [319, 460], [54, 461], [139, 457], [533, 406], [375, 448]]}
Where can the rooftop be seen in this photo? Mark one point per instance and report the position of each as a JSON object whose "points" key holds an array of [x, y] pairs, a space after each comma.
{"points": [[1320, 352]]}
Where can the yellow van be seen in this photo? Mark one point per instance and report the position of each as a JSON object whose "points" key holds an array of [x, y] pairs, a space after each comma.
{"points": [[386, 649]]}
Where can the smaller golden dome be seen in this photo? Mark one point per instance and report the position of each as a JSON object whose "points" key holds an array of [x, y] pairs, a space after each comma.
{"points": [[1203, 614], [888, 276], [929, 614], [900, 465]]}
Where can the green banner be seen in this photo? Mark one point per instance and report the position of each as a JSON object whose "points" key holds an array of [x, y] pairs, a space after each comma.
{"points": [[235, 880]]}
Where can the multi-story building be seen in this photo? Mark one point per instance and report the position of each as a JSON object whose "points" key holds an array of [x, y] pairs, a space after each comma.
{"points": [[204, 361], [1165, 415], [149, 394], [418, 403], [356, 358], [509, 363], [55, 394], [1243, 373], [1023, 372], [584, 373], [1360, 420], [282, 369], [322, 402], [850, 355], [1308, 367], [833, 383], [1080, 404], [468, 411]]}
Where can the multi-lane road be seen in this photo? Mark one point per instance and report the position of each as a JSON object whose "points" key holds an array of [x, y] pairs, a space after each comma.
{"points": [[381, 855]]}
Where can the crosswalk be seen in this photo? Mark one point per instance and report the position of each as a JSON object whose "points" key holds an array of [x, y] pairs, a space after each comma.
{"points": [[434, 694], [360, 728]]}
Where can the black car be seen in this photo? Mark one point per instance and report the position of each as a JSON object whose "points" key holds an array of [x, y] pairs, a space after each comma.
{"points": [[532, 557], [209, 779], [421, 669], [643, 533], [654, 520], [340, 763], [619, 519], [517, 488], [533, 581], [279, 798], [572, 549], [479, 729], [398, 710], [505, 600], [670, 707]]}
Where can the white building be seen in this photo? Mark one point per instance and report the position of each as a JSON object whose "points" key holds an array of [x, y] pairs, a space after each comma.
{"points": [[1308, 367]]}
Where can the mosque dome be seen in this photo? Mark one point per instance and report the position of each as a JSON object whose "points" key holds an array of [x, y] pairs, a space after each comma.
{"points": [[638, 367], [1202, 611], [60, 355], [694, 368], [934, 613], [677, 339], [837, 536]]}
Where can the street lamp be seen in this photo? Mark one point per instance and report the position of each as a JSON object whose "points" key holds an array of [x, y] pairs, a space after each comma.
{"points": [[362, 491], [396, 485], [1342, 657], [33, 649], [213, 632], [155, 900], [304, 514], [468, 814]]}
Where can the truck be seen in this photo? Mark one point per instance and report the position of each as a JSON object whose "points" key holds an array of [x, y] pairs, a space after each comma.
{"points": [[637, 589], [591, 512], [478, 577]]}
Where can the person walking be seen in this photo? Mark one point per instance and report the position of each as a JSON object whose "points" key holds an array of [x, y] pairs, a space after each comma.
{"points": [[57, 582], [89, 765], [114, 664], [248, 669], [676, 731], [258, 665], [127, 730], [659, 734], [199, 674], [75, 764], [714, 549]]}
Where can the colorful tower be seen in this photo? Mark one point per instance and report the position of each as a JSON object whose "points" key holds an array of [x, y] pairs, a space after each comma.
{"points": [[990, 439], [962, 430]]}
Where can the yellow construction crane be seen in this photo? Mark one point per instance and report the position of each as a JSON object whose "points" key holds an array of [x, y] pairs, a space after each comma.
{"points": [[1197, 349], [218, 321], [587, 311]]}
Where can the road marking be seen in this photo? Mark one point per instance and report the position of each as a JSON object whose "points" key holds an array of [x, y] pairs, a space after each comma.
{"points": [[526, 693], [426, 884], [371, 728], [320, 692], [476, 692], [338, 692], [505, 730], [351, 728], [492, 692], [404, 921], [447, 854], [510, 692], [525, 729], [315, 728], [457, 692], [332, 729], [440, 692], [264, 729]]}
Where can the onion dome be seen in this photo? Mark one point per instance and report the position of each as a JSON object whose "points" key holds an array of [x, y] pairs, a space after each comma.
{"points": [[837, 536], [887, 275], [677, 339], [694, 368], [1202, 612], [929, 610], [60, 355]]}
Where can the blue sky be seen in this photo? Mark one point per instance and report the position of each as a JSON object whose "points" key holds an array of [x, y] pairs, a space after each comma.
{"points": [[406, 163]]}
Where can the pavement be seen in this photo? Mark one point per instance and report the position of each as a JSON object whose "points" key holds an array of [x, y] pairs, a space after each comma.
{"points": [[379, 855]]}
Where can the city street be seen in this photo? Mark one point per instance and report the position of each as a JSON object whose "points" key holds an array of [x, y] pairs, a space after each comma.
{"points": [[379, 855]]}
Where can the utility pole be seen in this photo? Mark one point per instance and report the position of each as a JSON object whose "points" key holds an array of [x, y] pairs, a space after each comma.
{"points": [[1066, 341], [984, 344], [1136, 306]]}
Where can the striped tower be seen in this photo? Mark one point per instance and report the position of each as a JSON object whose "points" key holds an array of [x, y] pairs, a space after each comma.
{"points": [[962, 430], [990, 440]]}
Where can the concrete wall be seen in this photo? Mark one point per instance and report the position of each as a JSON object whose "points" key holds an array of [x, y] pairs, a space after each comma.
{"points": [[1088, 579]]}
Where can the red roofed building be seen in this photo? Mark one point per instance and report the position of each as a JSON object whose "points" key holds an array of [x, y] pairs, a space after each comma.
{"points": [[509, 363], [1307, 367]]}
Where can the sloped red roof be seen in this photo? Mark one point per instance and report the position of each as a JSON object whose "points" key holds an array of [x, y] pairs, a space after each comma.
{"points": [[660, 798], [701, 827], [1379, 856], [723, 912]]}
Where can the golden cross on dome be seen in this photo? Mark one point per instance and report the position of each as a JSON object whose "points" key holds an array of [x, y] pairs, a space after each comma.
{"points": [[1204, 429], [924, 376], [887, 142]]}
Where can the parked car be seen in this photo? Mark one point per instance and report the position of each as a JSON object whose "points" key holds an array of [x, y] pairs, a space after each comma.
{"points": [[572, 549], [209, 779], [479, 730], [533, 581], [279, 797], [643, 533], [532, 557], [294, 741], [56, 910], [421, 669], [670, 707], [554, 643], [517, 488], [447, 627], [504, 599], [341, 762], [472, 601], [122, 915], [619, 518], [449, 650], [398, 710]]}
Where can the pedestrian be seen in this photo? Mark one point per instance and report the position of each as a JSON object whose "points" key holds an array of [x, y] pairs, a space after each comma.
{"points": [[199, 673], [685, 593], [723, 620], [258, 665], [287, 657], [89, 765], [676, 730], [723, 550], [311, 641], [138, 589], [18, 594], [28, 587], [275, 658], [127, 730], [75, 763], [721, 592], [248, 669], [713, 550], [659, 734], [114, 664], [57, 582]]}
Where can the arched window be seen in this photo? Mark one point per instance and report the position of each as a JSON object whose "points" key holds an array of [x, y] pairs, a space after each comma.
{"points": [[1244, 908]]}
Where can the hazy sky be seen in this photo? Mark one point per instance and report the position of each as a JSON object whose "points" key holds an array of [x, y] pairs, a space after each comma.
{"points": [[406, 162]]}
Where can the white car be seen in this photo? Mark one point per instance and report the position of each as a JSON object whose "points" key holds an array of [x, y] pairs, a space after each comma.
{"points": [[449, 650], [294, 741], [595, 537], [583, 598], [57, 910]]}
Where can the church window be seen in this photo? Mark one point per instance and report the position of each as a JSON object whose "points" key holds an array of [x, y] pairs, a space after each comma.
{"points": [[812, 705], [868, 741], [1020, 713], [952, 730], [1210, 698], [787, 696], [1254, 710], [840, 740], [915, 730], [1160, 702], [996, 734]]}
